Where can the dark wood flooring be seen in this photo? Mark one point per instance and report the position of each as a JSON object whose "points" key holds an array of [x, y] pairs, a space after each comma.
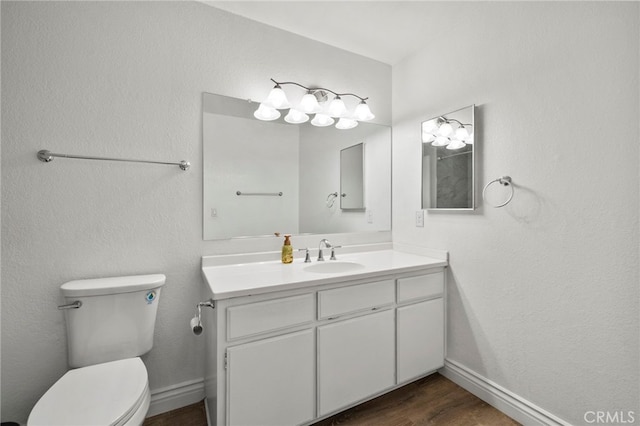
{"points": [[430, 401]]}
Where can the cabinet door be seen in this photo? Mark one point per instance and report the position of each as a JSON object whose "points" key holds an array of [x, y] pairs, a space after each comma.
{"points": [[356, 359], [272, 381], [420, 339]]}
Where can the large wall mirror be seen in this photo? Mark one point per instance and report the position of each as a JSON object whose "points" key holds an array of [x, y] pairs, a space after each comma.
{"points": [[448, 161], [265, 177]]}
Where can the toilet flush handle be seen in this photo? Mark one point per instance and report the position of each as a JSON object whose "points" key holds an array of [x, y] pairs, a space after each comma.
{"points": [[74, 305]]}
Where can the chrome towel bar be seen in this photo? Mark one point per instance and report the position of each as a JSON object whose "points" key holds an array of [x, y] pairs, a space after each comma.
{"points": [[274, 194], [47, 156]]}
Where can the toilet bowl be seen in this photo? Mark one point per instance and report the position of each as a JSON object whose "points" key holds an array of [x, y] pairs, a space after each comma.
{"points": [[110, 394]]}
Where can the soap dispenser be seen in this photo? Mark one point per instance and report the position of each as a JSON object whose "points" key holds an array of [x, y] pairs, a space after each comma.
{"points": [[287, 250]]}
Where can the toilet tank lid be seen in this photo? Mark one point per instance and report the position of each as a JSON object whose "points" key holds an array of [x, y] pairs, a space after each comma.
{"points": [[112, 285]]}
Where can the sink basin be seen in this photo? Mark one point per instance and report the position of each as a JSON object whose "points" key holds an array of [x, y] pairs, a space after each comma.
{"points": [[332, 267]]}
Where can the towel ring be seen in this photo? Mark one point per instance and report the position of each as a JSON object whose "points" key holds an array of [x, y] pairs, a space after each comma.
{"points": [[503, 180]]}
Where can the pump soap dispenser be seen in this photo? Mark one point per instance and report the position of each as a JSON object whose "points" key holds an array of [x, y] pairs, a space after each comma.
{"points": [[287, 250]]}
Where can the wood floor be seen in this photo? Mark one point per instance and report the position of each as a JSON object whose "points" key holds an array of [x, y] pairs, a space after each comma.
{"points": [[431, 401]]}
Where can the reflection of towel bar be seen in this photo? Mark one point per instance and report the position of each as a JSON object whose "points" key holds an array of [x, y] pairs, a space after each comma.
{"points": [[272, 194]]}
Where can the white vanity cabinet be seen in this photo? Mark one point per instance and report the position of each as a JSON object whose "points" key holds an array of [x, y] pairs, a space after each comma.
{"points": [[295, 356], [272, 381], [347, 371], [420, 325]]}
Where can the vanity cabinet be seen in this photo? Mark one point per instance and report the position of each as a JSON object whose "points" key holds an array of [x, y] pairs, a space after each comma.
{"points": [[420, 339], [293, 357], [420, 325], [271, 381]]}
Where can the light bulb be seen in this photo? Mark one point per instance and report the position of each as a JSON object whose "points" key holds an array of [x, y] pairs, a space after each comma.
{"points": [[445, 129], [469, 140], [428, 137], [266, 113], [322, 120], [346, 123], [430, 126], [296, 117], [309, 103], [277, 98], [462, 133], [456, 144], [362, 112], [441, 141], [337, 107]]}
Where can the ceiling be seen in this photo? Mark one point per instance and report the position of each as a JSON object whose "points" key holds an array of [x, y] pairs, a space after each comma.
{"points": [[386, 31]]}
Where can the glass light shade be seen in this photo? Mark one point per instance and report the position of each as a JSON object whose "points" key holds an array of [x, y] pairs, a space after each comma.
{"points": [[462, 133], [429, 126], [456, 144], [337, 107], [441, 141], [428, 137], [362, 112], [266, 113], [322, 120], [346, 123], [277, 99], [469, 140], [309, 104], [296, 117], [445, 129]]}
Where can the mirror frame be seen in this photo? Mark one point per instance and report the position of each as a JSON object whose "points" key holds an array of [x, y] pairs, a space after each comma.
{"points": [[473, 164]]}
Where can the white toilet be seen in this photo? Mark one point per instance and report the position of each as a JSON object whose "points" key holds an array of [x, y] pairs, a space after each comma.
{"points": [[110, 323]]}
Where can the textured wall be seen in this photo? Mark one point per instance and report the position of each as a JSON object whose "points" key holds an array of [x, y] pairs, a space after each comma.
{"points": [[125, 79], [543, 294]]}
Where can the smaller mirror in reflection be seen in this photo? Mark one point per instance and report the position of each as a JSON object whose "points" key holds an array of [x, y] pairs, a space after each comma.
{"points": [[352, 177], [448, 158]]}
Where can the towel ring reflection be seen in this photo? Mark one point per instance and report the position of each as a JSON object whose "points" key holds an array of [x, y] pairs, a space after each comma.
{"points": [[503, 180], [331, 198]]}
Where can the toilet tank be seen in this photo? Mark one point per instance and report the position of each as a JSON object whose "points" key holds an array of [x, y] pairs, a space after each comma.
{"points": [[116, 320]]}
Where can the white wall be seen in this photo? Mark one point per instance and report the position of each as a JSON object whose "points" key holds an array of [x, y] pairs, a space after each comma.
{"points": [[125, 79], [543, 294]]}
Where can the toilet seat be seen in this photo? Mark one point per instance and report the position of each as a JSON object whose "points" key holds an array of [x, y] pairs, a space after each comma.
{"points": [[111, 394]]}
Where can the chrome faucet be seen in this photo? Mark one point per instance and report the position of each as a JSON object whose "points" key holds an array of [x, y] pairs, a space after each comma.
{"points": [[326, 244]]}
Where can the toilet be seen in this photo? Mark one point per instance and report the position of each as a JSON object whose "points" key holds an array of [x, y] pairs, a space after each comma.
{"points": [[110, 324]]}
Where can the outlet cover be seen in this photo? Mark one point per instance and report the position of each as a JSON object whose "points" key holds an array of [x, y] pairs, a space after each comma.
{"points": [[420, 218]]}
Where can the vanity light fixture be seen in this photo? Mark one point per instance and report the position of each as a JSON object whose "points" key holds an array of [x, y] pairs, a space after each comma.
{"points": [[313, 102], [441, 132]]}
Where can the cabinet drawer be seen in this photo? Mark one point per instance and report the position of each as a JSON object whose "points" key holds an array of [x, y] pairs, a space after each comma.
{"points": [[362, 297], [420, 287], [271, 315]]}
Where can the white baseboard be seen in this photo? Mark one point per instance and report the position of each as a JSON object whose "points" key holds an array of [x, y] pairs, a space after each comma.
{"points": [[504, 400], [176, 396]]}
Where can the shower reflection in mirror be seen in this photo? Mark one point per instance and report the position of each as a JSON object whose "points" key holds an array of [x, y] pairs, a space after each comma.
{"points": [[448, 157]]}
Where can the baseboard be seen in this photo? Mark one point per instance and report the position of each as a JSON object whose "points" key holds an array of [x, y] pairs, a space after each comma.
{"points": [[176, 396], [512, 405]]}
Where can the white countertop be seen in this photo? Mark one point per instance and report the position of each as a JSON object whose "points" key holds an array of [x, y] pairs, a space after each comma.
{"points": [[244, 279]]}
